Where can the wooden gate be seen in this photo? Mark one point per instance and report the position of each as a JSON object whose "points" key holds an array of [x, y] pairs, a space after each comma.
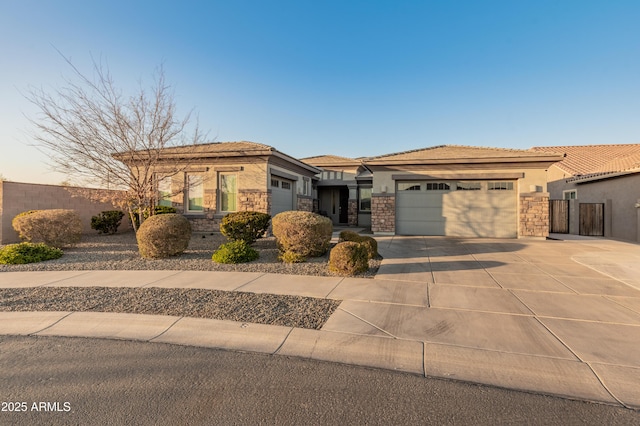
{"points": [[592, 219], [559, 216]]}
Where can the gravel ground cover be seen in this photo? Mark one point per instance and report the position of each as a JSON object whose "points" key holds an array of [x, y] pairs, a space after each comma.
{"points": [[271, 309], [120, 252]]}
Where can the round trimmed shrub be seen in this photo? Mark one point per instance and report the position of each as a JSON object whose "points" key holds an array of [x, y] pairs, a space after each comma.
{"points": [[107, 222], [56, 227], [238, 251], [145, 213], [163, 235], [246, 226], [301, 234], [348, 258], [369, 242], [19, 254]]}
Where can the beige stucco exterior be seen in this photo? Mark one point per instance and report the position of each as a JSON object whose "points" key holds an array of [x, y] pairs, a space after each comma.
{"points": [[619, 192], [17, 197]]}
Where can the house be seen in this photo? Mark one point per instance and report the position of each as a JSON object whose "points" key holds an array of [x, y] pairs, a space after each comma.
{"points": [[606, 177], [446, 190], [443, 190], [219, 178]]}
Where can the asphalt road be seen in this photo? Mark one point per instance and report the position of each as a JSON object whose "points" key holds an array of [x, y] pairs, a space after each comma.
{"points": [[88, 381]]}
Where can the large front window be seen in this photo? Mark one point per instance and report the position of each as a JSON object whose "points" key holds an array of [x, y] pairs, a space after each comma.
{"points": [[228, 192], [195, 190]]}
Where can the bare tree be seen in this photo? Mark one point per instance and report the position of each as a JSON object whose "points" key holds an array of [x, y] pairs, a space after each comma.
{"points": [[92, 131]]}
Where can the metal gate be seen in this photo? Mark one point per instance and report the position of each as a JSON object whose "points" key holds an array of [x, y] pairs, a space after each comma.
{"points": [[592, 219], [559, 216]]}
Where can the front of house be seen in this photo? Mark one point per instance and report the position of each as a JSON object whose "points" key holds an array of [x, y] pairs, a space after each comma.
{"points": [[444, 190]]}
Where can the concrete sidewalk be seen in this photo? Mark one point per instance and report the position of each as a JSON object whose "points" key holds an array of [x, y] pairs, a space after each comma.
{"points": [[555, 317]]}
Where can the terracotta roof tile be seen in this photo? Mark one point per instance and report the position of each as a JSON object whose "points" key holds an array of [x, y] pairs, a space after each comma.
{"points": [[590, 159], [446, 152], [328, 160]]}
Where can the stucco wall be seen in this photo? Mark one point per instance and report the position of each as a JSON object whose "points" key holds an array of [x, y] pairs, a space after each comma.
{"points": [[17, 197], [624, 193]]}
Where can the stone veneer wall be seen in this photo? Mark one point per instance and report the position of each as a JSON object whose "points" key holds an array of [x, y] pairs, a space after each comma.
{"points": [[305, 203], [352, 212], [383, 213], [534, 214]]}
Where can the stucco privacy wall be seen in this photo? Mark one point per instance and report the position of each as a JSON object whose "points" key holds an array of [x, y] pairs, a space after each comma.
{"points": [[17, 197], [620, 196]]}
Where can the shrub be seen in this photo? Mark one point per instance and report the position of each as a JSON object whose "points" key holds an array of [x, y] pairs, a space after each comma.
{"points": [[348, 258], [157, 210], [57, 227], [245, 226], [301, 234], [369, 242], [238, 251], [163, 235], [18, 254], [107, 222]]}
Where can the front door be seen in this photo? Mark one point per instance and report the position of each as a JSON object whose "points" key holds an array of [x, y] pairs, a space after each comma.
{"points": [[333, 204]]}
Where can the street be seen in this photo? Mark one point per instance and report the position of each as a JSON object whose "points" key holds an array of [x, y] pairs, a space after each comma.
{"points": [[55, 381]]}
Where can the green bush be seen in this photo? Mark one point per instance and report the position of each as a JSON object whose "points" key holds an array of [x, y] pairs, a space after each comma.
{"points": [[238, 251], [163, 236], [369, 242], [107, 222], [157, 210], [348, 258], [18, 254], [246, 226], [58, 227], [300, 234]]}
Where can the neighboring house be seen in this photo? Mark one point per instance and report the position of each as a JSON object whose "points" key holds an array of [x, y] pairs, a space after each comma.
{"points": [[607, 175], [224, 177]]}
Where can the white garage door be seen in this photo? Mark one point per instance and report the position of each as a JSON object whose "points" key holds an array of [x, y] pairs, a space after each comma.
{"points": [[457, 209], [281, 195]]}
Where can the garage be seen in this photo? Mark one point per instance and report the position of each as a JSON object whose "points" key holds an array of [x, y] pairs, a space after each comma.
{"points": [[457, 208], [281, 195]]}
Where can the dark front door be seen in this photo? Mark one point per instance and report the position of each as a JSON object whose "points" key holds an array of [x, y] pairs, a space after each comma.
{"points": [[333, 204]]}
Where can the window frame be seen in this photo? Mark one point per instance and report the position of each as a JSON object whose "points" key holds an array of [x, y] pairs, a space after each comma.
{"points": [[221, 201], [361, 198], [500, 185], [164, 198], [190, 189]]}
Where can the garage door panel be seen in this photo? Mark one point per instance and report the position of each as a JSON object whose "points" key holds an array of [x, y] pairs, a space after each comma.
{"points": [[281, 198], [468, 213]]}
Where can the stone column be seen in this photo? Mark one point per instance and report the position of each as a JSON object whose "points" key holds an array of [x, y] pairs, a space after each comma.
{"points": [[383, 214]]}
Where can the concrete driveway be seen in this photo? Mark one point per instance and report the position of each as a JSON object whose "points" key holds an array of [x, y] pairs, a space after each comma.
{"points": [[558, 317]]}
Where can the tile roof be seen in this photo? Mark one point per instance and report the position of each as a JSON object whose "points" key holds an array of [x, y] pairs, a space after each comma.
{"points": [[330, 160], [219, 147], [459, 152], [596, 159]]}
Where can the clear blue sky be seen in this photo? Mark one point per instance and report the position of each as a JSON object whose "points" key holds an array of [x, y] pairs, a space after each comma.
{"points": [[350, 78]]}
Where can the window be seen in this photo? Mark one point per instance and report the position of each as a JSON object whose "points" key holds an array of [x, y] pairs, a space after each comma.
{"points": [[228, 192], [408, 186], [365, 199], [305, 186], [286, 185], [437, 186], [164, 192], [500, 186], [468, 186], [329, 175], [570, 194], [195, 191], [275, 183]]}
